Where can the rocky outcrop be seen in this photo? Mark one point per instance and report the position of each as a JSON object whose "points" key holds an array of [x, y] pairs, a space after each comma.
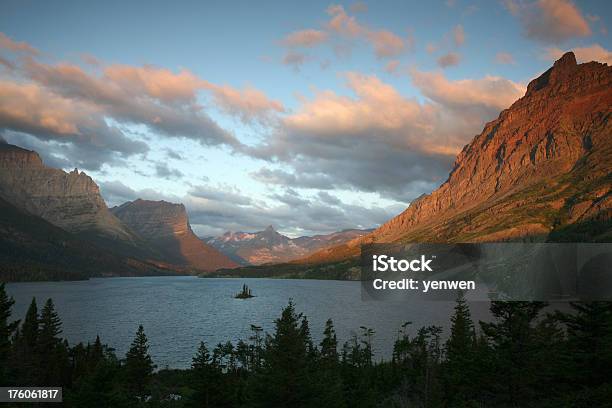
{"points": [[540, 168], [71, 200], [165, 227], [269, 246], [34, 249]]}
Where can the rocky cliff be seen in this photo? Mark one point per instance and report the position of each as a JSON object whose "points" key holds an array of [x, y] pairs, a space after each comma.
{"points": [[540, 171], [165, 227], [34, 249], [71, 200]]}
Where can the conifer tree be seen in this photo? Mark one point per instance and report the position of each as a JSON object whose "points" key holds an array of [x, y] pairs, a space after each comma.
{"points": [[53, 353], [589, 331], [329, 344], [460, 353], [7, 329], [512, 336], [206, 377], [329, 391], [284, 377], [138, 364], [50, 327], [25, 359], [29, 330]]}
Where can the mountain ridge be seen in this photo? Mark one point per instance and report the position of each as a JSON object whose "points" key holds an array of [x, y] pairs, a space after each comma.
{"points": [[165, 226], [269, 246], [539, 168]]}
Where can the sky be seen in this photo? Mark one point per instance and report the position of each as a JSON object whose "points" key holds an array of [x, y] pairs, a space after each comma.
{"points": [[312, 116]]}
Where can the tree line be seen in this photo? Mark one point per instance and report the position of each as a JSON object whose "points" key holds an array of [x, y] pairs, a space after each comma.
{"points": [[526, 356]]}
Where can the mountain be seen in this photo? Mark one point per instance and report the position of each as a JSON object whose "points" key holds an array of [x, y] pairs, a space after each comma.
{"points": [[540, 171], [269, 246], [71, 201], [34, 249], [165, 227]]}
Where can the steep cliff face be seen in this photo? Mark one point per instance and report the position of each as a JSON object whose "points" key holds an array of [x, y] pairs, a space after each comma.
{"points": [[165, 227], [34, 249], [541, 170], [71, 201]]}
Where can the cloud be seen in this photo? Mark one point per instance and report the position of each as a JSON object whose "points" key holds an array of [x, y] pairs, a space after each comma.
{"points": [[282, 177], [305, 38], [504, 58], [7, 63], [550, 21], [458, 35], [249, 104], [294, 59], [378, 140], [327, 198], [449, 60], [341, 23], [164, 171], [358, 7], [116, 193], [487, 95], [222, 193], [392, 66], [341, 30], [28, 108], [385, 43], [173, 154], [19, 47], [215, 210], [593, 52], [85, 111]]}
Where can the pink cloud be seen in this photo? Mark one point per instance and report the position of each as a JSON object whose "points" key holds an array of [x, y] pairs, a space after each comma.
{"points": [[385, 43], [305, 38], [459, 35], [449, 60], [294, 59], [15, 46], [490, 93], [392, 66], [550, 21], [342, 23]]}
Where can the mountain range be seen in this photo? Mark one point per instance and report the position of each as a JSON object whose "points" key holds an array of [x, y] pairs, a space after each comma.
{"points": [[55, 223], [541, 171], [269, 246]]}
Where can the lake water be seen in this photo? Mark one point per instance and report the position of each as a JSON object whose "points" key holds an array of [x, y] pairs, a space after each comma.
{"points": [[179, 312]]}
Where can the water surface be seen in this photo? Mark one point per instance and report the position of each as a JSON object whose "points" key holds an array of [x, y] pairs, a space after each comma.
{"points": [[179, 312]]}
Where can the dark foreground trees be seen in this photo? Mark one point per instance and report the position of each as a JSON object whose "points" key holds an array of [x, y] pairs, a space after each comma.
{"points": [[523, 357]]}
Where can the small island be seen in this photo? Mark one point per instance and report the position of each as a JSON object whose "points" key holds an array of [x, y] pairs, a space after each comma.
{"points": [[245, 293]]}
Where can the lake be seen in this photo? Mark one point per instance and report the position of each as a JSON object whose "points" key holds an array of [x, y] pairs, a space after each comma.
{"points": [[179, 312]]}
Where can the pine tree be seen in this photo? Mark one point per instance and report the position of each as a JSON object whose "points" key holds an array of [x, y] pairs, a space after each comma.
{"points": [[206, 377], [459, 367], [139, 365], [96, 353], [53, 353], [512, 336], [25, 359], [329, 391], [589, 332], [329, 344], [50, 327], [284, 379], [29, 330], [7, 329]]}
